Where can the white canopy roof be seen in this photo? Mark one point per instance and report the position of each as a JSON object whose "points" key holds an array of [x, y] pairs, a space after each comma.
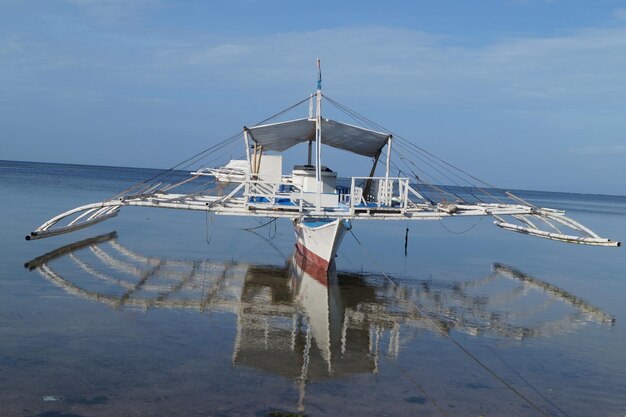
{"points": [[282, 136]]}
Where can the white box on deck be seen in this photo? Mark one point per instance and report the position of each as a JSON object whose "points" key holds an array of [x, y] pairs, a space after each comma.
{"points": [[304, 177], [271, 168], [327, 200]]}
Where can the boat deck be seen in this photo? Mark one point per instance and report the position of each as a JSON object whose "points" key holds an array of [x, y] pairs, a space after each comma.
{"points": [[393, 199]]}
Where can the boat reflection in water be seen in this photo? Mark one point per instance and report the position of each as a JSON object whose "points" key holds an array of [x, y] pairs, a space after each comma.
{"points": [[304, 323]]}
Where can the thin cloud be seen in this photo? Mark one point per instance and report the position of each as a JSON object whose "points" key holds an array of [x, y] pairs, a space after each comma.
{"points": [[566, 71], [589, 63], [600, 150], [620, 14], [112, 10]]}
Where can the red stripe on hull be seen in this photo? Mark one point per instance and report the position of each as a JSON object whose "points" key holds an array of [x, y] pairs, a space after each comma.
{"points": [[312, 264]]}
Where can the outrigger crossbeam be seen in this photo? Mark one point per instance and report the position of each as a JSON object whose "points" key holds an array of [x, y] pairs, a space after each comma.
{"points": [[321, 209], [268, 199]]}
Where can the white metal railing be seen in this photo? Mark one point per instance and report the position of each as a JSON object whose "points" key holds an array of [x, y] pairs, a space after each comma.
{"points": [[258, 192], [383, 192], [389, 193]]}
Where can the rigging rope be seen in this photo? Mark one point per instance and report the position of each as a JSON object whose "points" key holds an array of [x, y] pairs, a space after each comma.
{"points": [[363, 120], [164, 172], [420, 179], [440, 188], [401, 145], [435, 159], [168, 173]]}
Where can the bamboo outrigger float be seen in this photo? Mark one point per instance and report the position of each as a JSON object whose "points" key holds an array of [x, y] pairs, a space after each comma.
{"points": [[321, 209]]}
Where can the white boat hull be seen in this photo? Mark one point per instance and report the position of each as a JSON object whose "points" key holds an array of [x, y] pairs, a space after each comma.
{"points": [[317, 239]]}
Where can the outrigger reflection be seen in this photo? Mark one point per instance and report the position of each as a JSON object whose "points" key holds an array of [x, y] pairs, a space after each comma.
{"points": [[300, 322], [322, 210]]}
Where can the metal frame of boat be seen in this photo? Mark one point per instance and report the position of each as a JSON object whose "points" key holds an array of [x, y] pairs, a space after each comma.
{"points": [[234, 171], [321, 211]]}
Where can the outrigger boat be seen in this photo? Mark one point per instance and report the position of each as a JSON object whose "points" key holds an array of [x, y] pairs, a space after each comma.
{"points": [[321, 209]]}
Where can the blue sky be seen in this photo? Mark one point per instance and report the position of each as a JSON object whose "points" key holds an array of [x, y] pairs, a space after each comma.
{"points": [[523, 94]]}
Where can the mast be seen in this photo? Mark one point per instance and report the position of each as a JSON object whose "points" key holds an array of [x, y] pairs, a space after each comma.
{"points": [[318, 137], [310, 144]]}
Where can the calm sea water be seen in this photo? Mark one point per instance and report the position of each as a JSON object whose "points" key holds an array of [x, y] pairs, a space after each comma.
{"points": [[180, 313]]}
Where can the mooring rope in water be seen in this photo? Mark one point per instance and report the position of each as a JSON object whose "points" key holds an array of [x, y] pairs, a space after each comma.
{"points": [[420, 388], [208, 237], [204, 275], [260, 226], [454, 341], [271, 235], [531, 386], [270, 243], [406, 242]]}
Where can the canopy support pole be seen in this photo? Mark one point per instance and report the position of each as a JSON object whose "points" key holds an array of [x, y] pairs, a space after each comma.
{"points": [[258, 160], [247, 142], [318, 138], [386, 189], [368, 183], [388, 157], [253, 167], [310, 152]]}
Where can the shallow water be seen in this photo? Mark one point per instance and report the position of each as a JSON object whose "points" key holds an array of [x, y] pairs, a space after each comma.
{"points": [[185, 314]]}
